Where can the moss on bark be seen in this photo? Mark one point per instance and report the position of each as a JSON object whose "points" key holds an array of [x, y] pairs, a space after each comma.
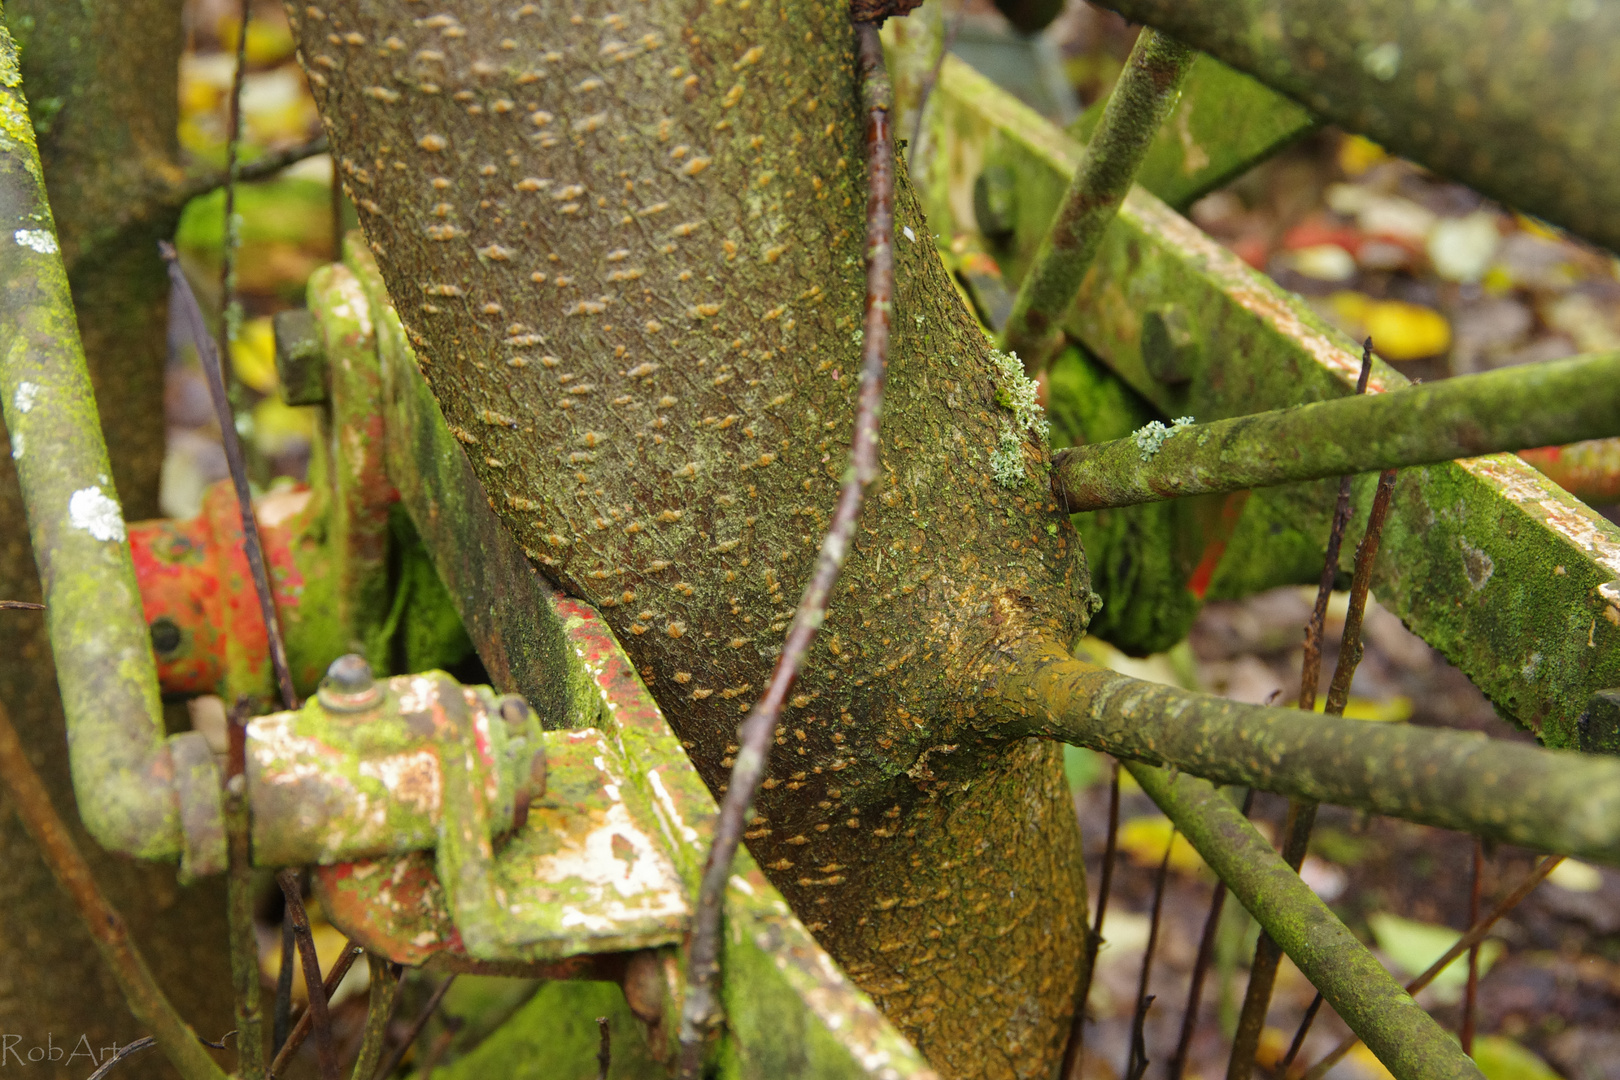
{"points": [[627, 247]]}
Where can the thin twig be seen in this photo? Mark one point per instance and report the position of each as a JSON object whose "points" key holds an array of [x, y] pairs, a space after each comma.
{"points": [[397, 1055], [325, 1051], [306, 1020], [20, 605], [260, 168], [1311, 673], [1137, 1063], [1301, 812], [1143, 97], [604, 1048], [1088, 959], [759, 728], [238, 468], [1476, 934], [228, 306], [150, 1006], [379, 1011], [129, 1050], [1471, 997], [239, 898], [282, 1021], [1206, 953]]}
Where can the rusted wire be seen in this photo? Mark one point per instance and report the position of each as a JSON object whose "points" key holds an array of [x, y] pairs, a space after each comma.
{"points": [[244, 948], [251, 545], [20, 605], [604, 1048], [1311, 672], [1475, 935], [1465, 1034], [228, 306], [759, 728]]}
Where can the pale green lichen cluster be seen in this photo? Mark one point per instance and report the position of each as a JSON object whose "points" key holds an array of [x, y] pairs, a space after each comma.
{"points": [[1015, 391], [1152, 435]]}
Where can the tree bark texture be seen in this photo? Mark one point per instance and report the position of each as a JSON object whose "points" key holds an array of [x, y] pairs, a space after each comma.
{"points": [[1513, 97], [103, 80], [627, 244]]}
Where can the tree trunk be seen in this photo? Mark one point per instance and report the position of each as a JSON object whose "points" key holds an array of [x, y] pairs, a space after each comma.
{"points": [[101, 80], [627, 246]]}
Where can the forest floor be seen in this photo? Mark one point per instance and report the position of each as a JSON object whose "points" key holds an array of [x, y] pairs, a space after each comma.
{"points": [[1447, 283]]}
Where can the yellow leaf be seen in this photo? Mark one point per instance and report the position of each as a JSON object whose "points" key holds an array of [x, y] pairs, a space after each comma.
{"points": [[1144, 838], [269, 40], [1357, 155], [1400, 331], [1500, 1058], [253, 355], [1394, 711], [279, 428]]}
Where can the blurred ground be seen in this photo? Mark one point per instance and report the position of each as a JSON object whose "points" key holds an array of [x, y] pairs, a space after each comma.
{"points": [[1444, 281]]}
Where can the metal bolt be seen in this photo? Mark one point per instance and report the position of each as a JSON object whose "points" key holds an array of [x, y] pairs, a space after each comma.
{"points": [[300, 357], [1170, 349], [995, 203], [1598, 728], [515, 711], [348, 686]]}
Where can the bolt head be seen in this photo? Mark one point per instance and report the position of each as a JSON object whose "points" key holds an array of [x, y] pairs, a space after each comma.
{"points": [[348, 686]]}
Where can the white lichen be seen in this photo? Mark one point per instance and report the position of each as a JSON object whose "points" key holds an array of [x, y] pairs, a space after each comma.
{"points": [[1017, 392], [40, 240], [93, 511], [1152, 435], [27, 393]]}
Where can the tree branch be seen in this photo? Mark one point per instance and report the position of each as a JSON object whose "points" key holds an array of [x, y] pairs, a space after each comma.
{"points": [[1507, 409], [1404, 1037], [1552, 800], [1146, 92], [145, 997]]}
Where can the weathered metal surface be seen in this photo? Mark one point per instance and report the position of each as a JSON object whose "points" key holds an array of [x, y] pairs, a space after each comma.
{"points": [[502, 600], [328, 786], [357, 477], [300, 358], [1225, 123], [1589, 470], [201, 611], [587, 873], [1517, 582]]}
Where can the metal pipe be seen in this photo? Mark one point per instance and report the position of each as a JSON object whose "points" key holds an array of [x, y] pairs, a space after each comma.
{"points": [[124, 771]]}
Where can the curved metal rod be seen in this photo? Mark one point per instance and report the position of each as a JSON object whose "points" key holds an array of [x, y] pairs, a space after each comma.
{"points": [[1509, 409], [126, 775]]}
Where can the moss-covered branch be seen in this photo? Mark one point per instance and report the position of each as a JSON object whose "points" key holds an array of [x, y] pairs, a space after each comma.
{"points": [[1513, 97], [1404, 1037], [1146, 92], [1551, 800], [1507, 409]]}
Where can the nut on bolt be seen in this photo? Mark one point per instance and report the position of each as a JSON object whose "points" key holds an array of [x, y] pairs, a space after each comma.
{"points": [[348, 686]]}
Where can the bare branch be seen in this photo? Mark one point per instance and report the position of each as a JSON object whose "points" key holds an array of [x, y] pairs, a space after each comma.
{"points": [[146, 999]]}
